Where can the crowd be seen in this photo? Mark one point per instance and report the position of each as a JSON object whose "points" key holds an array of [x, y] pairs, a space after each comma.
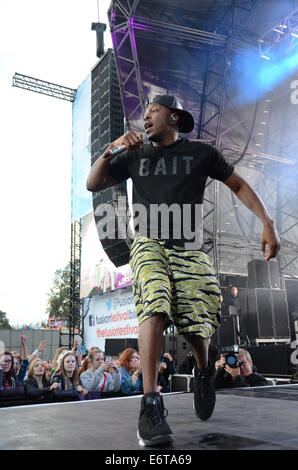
{"points": [[72, 375]]}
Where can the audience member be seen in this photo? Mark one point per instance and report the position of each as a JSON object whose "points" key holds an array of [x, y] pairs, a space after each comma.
{"points": [[163, 385], [244, 375], [10, 385], [231, 299], [48, 370], [166, 369], [96, 376], [21, 361], [37, 385], [58, 354], [68, 378], [16, 361], [186, 367], [131, 372], [78, 343]]}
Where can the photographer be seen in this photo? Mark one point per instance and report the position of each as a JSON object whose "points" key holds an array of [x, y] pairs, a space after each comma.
{"points": [[240, 374]]}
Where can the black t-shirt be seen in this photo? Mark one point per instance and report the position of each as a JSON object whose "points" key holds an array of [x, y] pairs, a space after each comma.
{"points": [[168, 188]]}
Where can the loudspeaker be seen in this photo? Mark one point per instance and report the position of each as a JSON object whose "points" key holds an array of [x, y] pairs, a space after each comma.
{"points": [[296, 330], [116, 243], [227, 332], [177, 346], [271, 359], [263, 274], [181, 383], [107, 124], [115, 346], [280, 313], [267, 314], [252, 324]]}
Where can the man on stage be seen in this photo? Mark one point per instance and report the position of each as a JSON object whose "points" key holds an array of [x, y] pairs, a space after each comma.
{"points": [[173, 278]]}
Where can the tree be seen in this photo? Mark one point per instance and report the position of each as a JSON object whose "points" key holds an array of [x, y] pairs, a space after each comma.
{"points": [[4, 323], [59, 296]]}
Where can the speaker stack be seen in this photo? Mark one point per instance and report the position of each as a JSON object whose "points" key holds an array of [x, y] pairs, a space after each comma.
{"points": [[266, 318], [115, 346], [177, 346]]}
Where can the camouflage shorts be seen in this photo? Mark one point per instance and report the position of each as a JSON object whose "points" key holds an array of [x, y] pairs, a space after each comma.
{"points": [[180, 284]]}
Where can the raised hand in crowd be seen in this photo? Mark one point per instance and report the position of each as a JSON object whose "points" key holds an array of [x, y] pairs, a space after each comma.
{"points": [[42, 346], [79, 355], [23, 341]]}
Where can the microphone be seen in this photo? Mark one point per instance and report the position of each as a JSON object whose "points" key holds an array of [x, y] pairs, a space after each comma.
{"points": [[121, 148], [115, 151]]}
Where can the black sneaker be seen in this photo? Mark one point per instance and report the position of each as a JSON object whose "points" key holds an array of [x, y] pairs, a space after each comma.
{"points": [[204, 393], [153, 428]]}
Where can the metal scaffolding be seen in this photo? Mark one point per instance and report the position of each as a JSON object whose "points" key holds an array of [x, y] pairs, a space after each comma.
{"points": [[220, 33], [45, 88], [68, 94], [75, 304]]}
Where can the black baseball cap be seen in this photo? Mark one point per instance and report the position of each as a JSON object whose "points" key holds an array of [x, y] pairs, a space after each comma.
{"points": [[186, 121]]}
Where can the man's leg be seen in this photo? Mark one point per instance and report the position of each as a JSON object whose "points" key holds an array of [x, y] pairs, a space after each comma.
{"points": [[152, 293], [153, 428], [150, 350], [204, 393], [199, 348], [198, 314]]}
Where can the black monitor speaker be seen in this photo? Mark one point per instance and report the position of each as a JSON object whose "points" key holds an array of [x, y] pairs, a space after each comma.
{"points": [[263, 274]]}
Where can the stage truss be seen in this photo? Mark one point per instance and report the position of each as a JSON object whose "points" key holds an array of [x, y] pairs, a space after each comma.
{"points": [[188, 50]]}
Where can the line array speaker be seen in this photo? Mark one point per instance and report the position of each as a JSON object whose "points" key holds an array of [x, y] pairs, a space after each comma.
{"points": [[263, 274], [267, 315]]}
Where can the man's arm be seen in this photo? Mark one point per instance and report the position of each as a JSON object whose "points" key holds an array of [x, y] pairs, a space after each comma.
{"points": [[249, 197], [99, 177]]}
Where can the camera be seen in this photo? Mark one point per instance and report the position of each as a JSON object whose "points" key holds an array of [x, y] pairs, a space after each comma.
{"points": [[230, 354]]}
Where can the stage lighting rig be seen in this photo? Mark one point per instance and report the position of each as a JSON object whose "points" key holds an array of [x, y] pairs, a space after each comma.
{"points": [[281, 39]]}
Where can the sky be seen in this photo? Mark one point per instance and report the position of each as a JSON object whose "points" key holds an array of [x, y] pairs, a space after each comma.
{"points": [[53, 42]]}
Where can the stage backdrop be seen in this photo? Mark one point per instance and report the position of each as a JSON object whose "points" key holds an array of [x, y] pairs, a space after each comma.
{"points": [[111, 315], [98, 273], [81, 200]]}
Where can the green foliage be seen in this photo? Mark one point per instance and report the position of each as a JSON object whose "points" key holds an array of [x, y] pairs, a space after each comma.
{"points": [[4, 323], [60, 294]]}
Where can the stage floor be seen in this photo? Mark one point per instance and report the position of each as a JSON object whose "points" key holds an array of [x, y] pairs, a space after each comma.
{"points": [[260, 418]]}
